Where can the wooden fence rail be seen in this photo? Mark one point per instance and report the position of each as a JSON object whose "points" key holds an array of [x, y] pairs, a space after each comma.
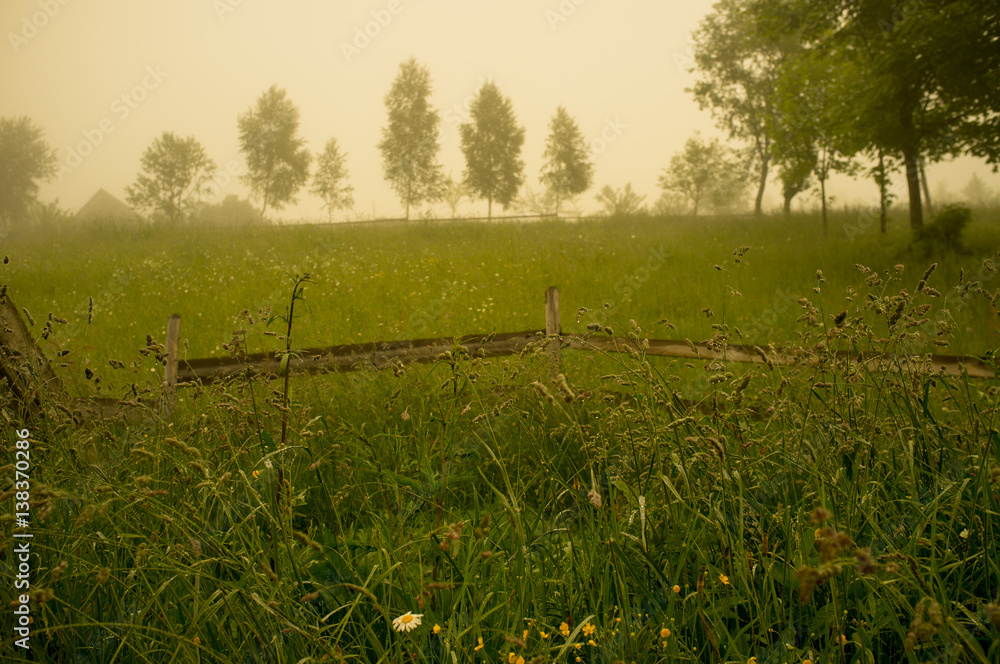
{"points": [[30, 376], [382, 354], [352, 357], [950, 364]]}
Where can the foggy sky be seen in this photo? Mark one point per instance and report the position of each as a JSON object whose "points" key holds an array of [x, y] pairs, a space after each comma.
{"points": [[112, 75]]}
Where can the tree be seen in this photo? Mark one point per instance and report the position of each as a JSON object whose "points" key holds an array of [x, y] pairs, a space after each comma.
{"points": [[232, 211], [409, 143], [879, 172], [918, 81], [25, 161], [330, 180], [794, 175], [567, 171], [277, 161], [491, 143], [978, 194], [705, 173], [175, 174], [454, 192], [739, 65], [531, 202], [620, 203]]}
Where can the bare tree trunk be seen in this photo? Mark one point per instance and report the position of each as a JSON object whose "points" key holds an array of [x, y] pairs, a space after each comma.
{"points": [[489, 208], [927, 190], [789, 195], [910, 160], [822, 196], [883, 191], [758, 204]]}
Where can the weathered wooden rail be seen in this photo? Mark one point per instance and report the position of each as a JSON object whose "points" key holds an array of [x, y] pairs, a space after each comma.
{"points": [[351, 357], [31, 378], [950, 364], [383, 354]]}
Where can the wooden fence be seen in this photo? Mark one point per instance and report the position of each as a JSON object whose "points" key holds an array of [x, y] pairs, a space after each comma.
{"points": [[31, 379], [353, 357]]}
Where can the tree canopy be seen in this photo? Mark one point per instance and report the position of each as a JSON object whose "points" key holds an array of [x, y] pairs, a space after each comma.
{"points": [[25, 161], [739, 64], [409, 142], [567, 170], [277, 161], [330, 180], [175, 174], [705, 173], [620, 202], [492, 144]]}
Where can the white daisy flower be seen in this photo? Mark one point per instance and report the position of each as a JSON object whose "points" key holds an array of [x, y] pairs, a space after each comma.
{"points": [[407, 621]]}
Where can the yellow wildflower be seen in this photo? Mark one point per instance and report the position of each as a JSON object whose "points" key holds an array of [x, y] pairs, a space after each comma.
{"points": [[752, 660], [480, 646], [664, 633], [677, 589], [544, 635], [564, 628], [437, 629], [589, 629], [724, 579]]}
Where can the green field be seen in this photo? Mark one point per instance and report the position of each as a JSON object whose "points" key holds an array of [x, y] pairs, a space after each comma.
{"points": [[640, 509]]}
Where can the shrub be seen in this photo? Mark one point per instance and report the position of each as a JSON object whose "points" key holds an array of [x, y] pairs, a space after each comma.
{"points": [[945, 229]]}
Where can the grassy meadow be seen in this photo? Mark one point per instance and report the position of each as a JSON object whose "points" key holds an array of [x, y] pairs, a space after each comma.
{"points": [[636, 509]]}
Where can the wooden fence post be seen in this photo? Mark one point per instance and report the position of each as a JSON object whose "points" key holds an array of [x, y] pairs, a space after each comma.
{"points": [[22, 362], [553, 328], [170, 371]]}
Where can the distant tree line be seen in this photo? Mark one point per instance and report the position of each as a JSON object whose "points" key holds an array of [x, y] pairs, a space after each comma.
{"points": [[806, 87], [813, 87]]}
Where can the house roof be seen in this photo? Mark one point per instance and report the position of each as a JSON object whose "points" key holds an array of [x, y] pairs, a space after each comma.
{"points": [[103, 205]]}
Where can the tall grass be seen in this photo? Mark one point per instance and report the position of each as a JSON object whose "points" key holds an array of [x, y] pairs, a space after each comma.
{"points": [[632, 510]]}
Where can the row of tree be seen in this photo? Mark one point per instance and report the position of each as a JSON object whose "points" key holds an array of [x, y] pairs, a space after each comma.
{"points": [[815, 86], [176, 172]]}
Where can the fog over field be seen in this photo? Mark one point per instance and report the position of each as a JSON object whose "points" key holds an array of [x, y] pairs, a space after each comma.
{"points": [[723, 386], [104, 79]]}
